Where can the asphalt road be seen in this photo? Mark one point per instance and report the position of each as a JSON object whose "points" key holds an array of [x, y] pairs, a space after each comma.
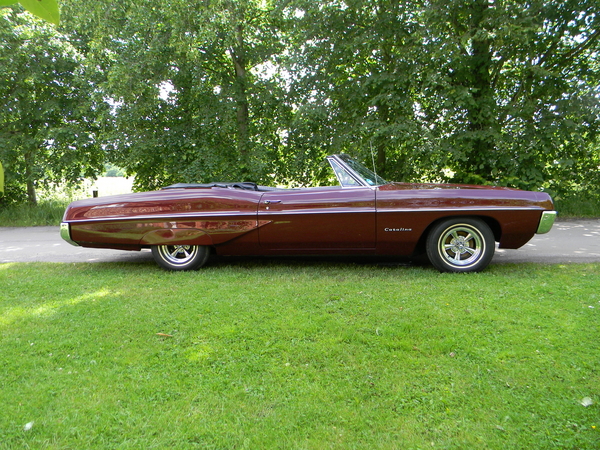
{"points": [[567, 242]]}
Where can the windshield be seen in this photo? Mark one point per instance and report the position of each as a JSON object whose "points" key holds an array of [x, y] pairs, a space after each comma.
{"points": [[371, 178]]}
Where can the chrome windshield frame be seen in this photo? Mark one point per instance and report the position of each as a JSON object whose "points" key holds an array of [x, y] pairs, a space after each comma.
{"points": [[351, 177]]}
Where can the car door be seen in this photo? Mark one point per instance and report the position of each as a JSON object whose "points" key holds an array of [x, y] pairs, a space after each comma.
{"points": [[318, 219]]}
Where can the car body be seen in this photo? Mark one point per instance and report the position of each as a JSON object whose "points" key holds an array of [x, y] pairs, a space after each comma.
{"points": [[455, 225]]}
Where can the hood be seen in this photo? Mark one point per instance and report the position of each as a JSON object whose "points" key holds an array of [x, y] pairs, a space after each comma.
{"points": [[395, 186]]}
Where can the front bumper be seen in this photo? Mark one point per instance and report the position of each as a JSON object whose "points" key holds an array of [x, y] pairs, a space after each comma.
{"points": [[546, 222], [65, 233]]}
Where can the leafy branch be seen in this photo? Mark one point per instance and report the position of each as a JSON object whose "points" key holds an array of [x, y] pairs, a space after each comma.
{"points": [[45, 9]]}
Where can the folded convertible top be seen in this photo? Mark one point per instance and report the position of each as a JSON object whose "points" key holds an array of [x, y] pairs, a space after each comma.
{"points": [[245, 185]]}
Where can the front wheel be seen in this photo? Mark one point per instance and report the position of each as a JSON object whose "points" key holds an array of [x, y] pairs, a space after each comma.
{"points": [[460, 245], [180, 257]]}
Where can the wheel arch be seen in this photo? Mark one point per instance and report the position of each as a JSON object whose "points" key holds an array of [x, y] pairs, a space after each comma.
{"points": [[490, 222]]}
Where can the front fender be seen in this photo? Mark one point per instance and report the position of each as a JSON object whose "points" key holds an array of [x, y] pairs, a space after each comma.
{"points": [[177, 236]]}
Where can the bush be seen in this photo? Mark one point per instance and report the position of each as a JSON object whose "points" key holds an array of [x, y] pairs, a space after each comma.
{"points": [[13, 195]]}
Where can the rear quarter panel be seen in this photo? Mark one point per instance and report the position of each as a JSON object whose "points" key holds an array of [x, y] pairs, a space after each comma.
{"points": [[193, 216]]}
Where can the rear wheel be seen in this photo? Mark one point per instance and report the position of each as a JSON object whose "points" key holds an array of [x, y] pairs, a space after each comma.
{"points": [[460, 245], [180, 257]]}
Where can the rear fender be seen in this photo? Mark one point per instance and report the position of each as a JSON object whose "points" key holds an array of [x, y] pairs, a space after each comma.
{"points": [[177, 236]]}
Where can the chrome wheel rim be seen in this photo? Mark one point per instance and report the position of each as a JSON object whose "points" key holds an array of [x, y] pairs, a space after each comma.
{"points": [[461, 245], [178, 255]]}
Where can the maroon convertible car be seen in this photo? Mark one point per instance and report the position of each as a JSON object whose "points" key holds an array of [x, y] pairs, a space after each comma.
{"points": [[455, 225]]}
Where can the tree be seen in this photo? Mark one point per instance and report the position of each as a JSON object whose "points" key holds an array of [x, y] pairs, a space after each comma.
{"points": [[500, 92], [511, 91], [188, 100], [48, 116], [354, 68], [46, 9]]}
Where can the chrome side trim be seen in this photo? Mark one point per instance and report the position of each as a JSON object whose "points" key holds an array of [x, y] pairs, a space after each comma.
{"points": [[461, 209], [546, 222], [65, 233], [197, 216], [202, 215]]}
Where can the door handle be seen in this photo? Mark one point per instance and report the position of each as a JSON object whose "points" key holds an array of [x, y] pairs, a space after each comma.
{"points": [[271, 202]]}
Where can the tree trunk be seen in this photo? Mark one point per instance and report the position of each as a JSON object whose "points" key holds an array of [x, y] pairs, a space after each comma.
{"points": [[1, 179], [481, 113], [29, 162], [243, 117]]}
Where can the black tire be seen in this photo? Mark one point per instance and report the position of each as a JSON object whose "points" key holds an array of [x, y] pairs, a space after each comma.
{"points": [[180, 257], [460, 245]]}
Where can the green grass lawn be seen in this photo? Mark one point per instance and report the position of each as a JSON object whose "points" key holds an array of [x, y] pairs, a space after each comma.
{"points": [[299, 355]]}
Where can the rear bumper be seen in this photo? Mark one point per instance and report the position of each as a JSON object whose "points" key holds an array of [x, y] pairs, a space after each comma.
{"points": [[65, 233], [546, 222]]}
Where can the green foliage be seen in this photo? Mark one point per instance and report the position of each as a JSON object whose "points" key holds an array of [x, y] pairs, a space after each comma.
{"points": [[299, 355], [14, 212], [12, 196], [113, 171], [582, 206]]}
